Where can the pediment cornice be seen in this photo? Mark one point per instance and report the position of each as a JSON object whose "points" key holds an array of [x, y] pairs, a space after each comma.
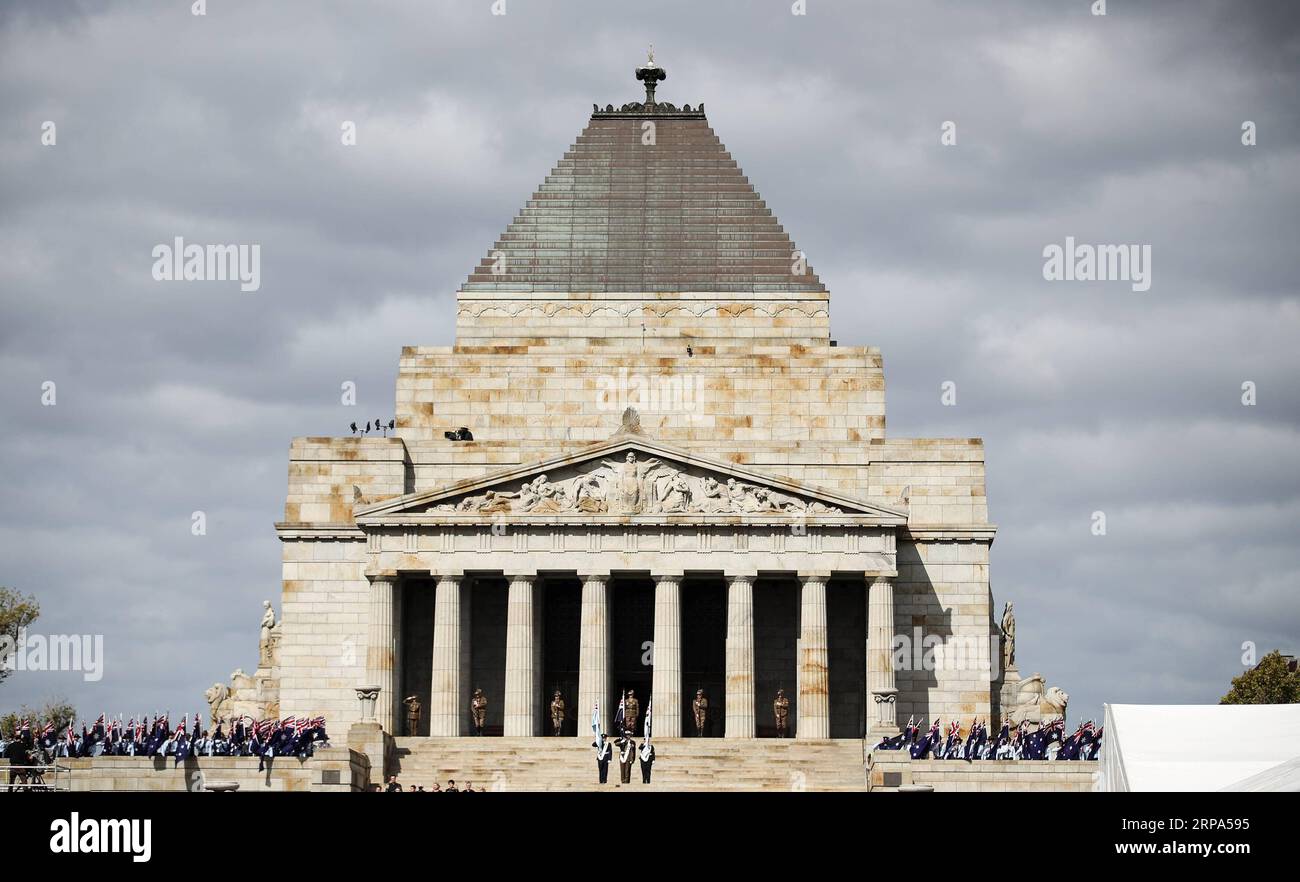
{"points": [[630, 479]]}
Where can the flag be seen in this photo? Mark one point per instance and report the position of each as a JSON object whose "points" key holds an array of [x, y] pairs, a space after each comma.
{"points": [[618, 714], [649, 713], [595, 724]]}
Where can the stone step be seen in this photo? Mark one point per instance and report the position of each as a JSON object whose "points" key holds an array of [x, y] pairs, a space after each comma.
{"points": [[682, 764]]}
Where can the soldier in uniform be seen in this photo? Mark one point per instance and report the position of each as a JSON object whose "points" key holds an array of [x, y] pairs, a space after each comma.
{"points": [[478, 710], [412, 703], [557, 713], [781, 710], [631, 710], [626, 755], [701, 708], [603, 751]]}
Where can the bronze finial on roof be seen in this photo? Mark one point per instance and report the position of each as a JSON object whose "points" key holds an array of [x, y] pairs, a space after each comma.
{"points": [[651, 74]]}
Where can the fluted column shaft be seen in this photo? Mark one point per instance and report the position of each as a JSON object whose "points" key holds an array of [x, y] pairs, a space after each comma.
{"points": [[593, 653], [739, 703], [666, 675], [814, 720], [521, 656], [880, 664], [450, 648], [381, 651]]}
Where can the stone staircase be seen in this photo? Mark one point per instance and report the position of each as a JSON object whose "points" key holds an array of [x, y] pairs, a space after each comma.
{"points": [[681, 764]]}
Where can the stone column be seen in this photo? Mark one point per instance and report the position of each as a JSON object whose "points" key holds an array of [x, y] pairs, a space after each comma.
{"points": [[450, 642], [814, 683], [521, 658], [381, 651], [666, 675], [739, 703], [542, 714], [880, 664], [593, 654]]}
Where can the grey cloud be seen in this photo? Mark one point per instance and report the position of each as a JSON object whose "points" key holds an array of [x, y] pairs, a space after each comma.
{"points": [[181, 397]]}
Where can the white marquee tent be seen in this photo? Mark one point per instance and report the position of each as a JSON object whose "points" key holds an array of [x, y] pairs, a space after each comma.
{"points": [[1192, 747]]}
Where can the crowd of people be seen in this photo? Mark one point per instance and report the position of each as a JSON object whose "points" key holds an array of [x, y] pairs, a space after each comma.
{"points": [[394, 787], [38, 745], [1047, 742]]}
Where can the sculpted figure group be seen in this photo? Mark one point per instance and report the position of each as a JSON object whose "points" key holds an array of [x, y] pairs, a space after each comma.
{"points": [[634, 486]]}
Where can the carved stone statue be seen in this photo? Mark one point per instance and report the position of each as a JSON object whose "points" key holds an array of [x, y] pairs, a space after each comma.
{"points": [[216, 695], [701, 708], [631, 423], [1053, 704], [1036, 702], [264, 641], [557, 713], [781, 712], [478, 710], [1008, 637], [412, 703]]}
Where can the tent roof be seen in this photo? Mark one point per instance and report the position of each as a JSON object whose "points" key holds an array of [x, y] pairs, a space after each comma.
{"points": [[1174, 747]]}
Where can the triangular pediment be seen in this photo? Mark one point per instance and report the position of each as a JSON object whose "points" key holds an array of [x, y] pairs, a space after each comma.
{"points": [[635, 477]]}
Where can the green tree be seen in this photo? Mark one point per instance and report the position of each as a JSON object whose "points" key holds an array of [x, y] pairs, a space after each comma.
{"points": [[1269, 682], [57, 710], [16, 611]]}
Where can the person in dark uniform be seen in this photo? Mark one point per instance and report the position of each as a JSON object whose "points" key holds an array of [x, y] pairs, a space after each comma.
{"points": [[647, 754], [603, 753], [626, 756]]}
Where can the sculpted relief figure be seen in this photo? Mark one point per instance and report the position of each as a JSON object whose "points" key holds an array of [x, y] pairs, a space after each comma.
{"points": [[632, 487], [712, 499], [590, 493], [629, 491]]}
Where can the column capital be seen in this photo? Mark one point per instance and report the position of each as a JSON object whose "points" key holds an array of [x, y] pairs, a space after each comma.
{"points": [[440, 575], [814, 576], [521, 577], [740, 577], [667, 577], [884, 579], [594, 577]]}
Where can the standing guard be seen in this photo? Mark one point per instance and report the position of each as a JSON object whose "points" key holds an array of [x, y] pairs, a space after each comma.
{"points": [[478, 710], [557, 713], [701, 708], [781, 711]]}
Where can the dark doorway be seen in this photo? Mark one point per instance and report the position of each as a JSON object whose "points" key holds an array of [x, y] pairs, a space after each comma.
{"points": [[704, 650], [776, 633], [631, 637], [417, 650], [846, 635], [488, 650], [560, 657]]}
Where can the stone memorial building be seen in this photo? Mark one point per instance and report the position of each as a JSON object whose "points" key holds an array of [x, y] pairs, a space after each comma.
{"points": [[643, 464]]}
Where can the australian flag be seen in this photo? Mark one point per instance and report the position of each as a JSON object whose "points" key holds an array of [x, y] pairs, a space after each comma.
{"points": [[924, 747]]}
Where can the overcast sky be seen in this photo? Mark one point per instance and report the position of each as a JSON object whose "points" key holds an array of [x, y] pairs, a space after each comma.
{"points": [[1090, 397]]}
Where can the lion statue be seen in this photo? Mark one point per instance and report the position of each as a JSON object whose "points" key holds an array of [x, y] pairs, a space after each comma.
{"points": [[216, 695], [1053, 704]]}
